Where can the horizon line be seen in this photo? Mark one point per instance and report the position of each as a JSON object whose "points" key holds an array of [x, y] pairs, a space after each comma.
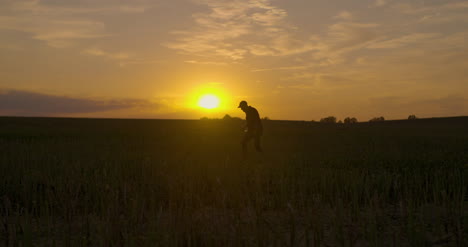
{"points": [[201, 118]]}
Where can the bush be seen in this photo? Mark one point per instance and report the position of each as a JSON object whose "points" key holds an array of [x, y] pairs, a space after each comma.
{"points": [[377, 119], [349, 120], [330, 119]]}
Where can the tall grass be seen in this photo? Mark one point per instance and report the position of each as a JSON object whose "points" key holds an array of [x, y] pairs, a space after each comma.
{"points": [[183, 183]]}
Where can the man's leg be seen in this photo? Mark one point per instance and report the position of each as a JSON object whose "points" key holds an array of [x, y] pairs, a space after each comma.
{"points": [[257, 143], [245, 141]]}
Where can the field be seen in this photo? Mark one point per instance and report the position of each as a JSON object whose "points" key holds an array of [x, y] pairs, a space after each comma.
{"points": [[91, 182]]}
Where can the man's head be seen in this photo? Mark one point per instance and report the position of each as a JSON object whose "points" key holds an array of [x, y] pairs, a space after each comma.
{"points": [[243, 105]]}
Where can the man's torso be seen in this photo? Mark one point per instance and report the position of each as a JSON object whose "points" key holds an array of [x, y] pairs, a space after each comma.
{"points": [[253, 119]]}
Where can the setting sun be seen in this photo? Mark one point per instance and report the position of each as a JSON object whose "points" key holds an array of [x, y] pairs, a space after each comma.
{"points": [[208, 101]]}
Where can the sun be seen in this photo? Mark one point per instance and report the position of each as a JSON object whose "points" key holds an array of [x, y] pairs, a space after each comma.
{"points": [[208, 101]]}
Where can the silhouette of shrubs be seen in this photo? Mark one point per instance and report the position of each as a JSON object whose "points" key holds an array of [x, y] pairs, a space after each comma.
{"points": [[349, 120], [377, 119], [330, 119], [412, 117], [228, 117]]}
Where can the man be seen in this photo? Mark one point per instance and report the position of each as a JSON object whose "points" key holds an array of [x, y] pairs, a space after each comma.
{"points": [[254, 128]]}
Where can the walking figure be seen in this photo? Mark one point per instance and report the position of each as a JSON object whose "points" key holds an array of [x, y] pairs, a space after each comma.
{"points": [[253, 128]]}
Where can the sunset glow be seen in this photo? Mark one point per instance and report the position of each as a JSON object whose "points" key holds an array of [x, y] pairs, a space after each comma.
{"points": [[209, 101], [155, 59]]}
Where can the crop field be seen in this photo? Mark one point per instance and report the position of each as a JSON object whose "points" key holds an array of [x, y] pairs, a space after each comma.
{"points": [[103, 182]]}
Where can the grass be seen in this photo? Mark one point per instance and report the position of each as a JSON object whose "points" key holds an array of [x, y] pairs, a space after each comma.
{"points": [[88, 182]]}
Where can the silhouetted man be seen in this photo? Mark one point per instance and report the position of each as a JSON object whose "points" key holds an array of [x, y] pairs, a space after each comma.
{"points": [[254, 128]]}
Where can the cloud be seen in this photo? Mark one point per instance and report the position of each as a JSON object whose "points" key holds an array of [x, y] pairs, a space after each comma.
{"points": [[344, 15], [412, 9], [58, 25], [343, 33], [123, 58], [414, 38], [450, 13], [343, 38], [438, 18], [300, 76], [38, 7], [282, 68], [205, 62], [25, 103], [236, 29], [380, 3], [110, 55], [56, 33]]}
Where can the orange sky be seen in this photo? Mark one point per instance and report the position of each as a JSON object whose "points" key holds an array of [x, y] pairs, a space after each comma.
{"points": [[291, 59]]}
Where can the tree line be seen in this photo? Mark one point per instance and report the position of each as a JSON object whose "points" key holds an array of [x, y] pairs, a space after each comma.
{"points": [[330, 119], [352, 120]]}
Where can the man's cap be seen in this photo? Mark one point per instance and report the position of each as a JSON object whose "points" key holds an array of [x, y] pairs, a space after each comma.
{"points": [[242, 103]]}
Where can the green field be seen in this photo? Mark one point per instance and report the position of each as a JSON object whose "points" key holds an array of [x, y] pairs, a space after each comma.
{"points": [[89, 182]]}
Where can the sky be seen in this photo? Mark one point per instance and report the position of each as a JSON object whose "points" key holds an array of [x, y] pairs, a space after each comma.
{"points": [[290, 59]]}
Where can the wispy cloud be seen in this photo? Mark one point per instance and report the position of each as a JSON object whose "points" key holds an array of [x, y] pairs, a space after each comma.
{"points": [[235, 29], [238, 29], [282, 68], [345, 33], [343, 38], [415, 8], [344, 15], [55, 32], [110, 55], [409, 39], [205, 62], [380, 3], [123, 58], [39, 8], [438, 18], [57, 25]]}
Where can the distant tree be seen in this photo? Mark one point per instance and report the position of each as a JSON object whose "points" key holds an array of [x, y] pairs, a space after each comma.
{"points": [[266, 118], [227, 117], [204, 118], [349, 120], [340, 122], [412, 117], [330, 119], [377, 119]]}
